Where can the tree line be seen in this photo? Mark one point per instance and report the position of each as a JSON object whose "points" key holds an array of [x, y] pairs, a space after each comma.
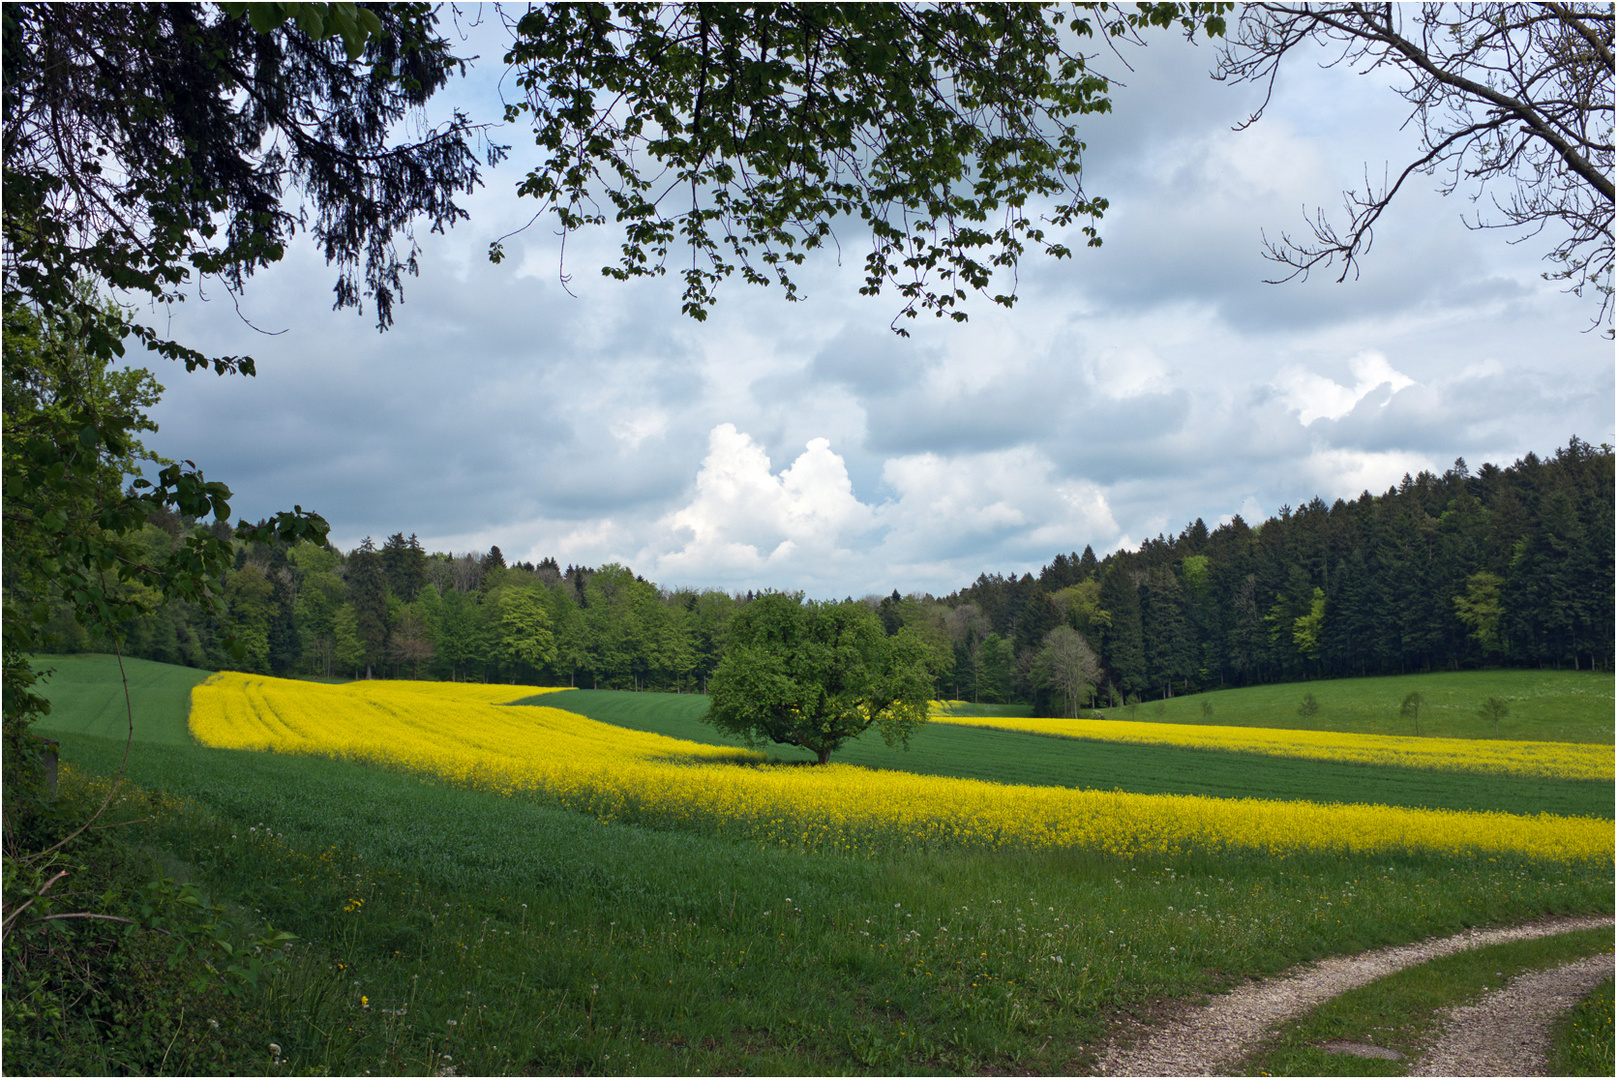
{"points": [[1509, 566]]}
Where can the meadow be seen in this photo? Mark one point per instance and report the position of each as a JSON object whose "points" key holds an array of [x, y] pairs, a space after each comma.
{"points": [[1547, 705], [443, 925]]}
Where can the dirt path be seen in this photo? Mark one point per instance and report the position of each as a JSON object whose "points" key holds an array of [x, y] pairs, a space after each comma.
{"points": [[1508, 1033], [1205, 1039]]}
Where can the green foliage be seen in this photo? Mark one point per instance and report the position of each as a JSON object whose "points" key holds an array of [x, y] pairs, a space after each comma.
{"points": [[524, 635], [1308, 707], [1068, 665], [934, 127], [815, 675], [1306, 628], [106, 957], [1479, 608]]}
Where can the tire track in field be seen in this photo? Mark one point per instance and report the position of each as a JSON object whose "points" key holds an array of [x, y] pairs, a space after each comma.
{"points": [[1508, 1033], [1201, 1040]]}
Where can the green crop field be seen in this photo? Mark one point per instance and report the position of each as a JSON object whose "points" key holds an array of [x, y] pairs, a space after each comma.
{"points": [[1012, 757], [1546, 705], [449, 930], [87, 697]]}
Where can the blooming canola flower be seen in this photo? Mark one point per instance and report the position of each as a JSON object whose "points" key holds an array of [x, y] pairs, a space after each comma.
{"points": [[1551, 760], [470, 734]]}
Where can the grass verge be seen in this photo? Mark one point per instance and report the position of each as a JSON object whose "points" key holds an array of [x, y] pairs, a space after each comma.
{"points": [[1582, 1044]]}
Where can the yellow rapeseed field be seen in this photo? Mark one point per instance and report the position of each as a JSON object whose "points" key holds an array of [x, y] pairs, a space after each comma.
{"points": [[1551, 760], [463, 732]]}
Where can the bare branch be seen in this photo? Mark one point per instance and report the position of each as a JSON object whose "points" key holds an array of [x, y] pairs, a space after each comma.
{"points": [[1514, 100]]}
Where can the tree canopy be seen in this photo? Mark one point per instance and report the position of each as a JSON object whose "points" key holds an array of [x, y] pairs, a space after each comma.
{"points": [[815, 675], [147, 148], [746, 134]]}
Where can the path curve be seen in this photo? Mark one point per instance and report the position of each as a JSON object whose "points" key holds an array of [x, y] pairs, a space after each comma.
{"points": [[1201, 1040], [1508, 1033]]}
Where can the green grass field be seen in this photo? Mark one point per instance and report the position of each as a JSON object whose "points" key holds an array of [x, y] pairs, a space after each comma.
{"points": [[1549, 706], [446, 927], [87, 697], [1013, 757]]}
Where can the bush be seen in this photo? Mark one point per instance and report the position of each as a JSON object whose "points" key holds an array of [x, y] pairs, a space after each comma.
{"points": [[112, 968]]}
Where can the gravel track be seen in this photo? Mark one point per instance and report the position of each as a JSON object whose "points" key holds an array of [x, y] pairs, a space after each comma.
{"points": [[1203, 1040], [1508, 1033]]}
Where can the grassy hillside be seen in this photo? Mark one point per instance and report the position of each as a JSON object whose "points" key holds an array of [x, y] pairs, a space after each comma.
{"points": [[1548, 706], [560, 944], [1019, 758], [87, 698]]}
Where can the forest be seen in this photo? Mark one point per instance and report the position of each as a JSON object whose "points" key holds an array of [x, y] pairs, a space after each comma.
{"points": [[1498, 567]]}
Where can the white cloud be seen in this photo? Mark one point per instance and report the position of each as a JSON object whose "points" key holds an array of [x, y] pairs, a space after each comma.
{"points": [[744, 519], [947, 506], [638, 425], [1129, 371], [1339, 473], [1315, 396]]}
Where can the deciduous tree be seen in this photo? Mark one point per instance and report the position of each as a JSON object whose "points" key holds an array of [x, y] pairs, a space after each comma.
{"points": [[744, 134], [815, 675]]}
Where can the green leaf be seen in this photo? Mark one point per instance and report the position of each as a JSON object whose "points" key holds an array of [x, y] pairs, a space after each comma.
{"points": [[265, 17], [310, 21]]}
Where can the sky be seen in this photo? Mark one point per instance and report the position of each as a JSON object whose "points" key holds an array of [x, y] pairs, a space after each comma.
{"points": [[804, 446]]}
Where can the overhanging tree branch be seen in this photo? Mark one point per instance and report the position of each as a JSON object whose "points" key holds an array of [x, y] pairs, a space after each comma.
{"points": [[1513, 98]]}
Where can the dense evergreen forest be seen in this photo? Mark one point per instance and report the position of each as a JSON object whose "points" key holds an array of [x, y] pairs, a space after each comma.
{"points": [[1501, 567]]}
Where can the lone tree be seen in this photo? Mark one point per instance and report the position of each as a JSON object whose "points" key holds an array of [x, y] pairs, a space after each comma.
{"points": [[816, 674], [1410, 708], [1494, 710]]}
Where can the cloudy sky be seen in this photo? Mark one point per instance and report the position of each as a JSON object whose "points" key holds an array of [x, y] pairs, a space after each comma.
{"points": [[803, 445]]}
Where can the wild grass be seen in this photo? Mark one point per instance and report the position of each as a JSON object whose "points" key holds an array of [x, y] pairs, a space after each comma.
{"points": [[1582, 1043], [561, 944]]}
